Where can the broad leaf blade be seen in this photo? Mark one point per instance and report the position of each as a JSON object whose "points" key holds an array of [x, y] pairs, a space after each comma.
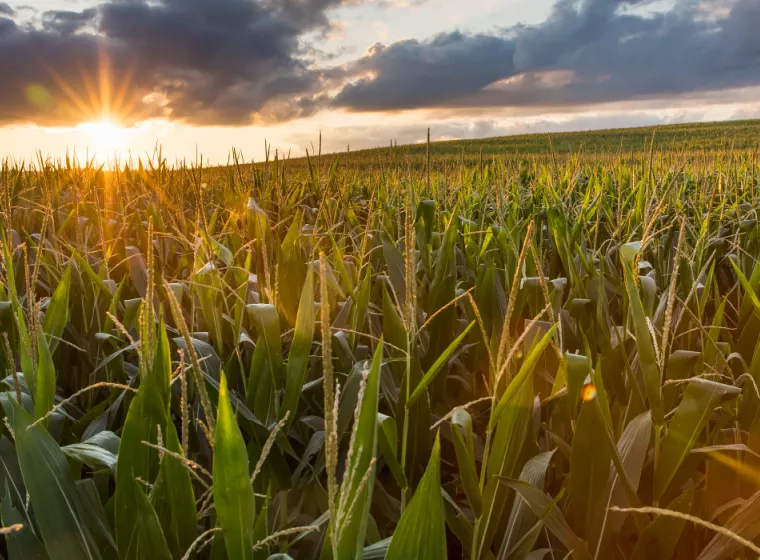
{"points": [[359, 497], [298, 358], [692, 414], [44, 394], [233, 492], [421, 531], [57, 313], [647, 355], [438, 366], [147, 413], [51, 490], [148, 542], [543, 507], [660, 538], [461, 431]]}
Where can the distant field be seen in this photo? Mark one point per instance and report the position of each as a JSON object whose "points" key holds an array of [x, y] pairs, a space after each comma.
{"points": [[695, 140]]}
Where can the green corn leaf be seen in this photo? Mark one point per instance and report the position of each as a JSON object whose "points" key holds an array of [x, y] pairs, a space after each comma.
{"points": [[53, 495], [137, 269], [354, 516], [57, 313], [502, 461], [544, 507], [221, 252], [298, 358], [691, 416], [96, 280], [342, 270], [437, 366], [393, 326], [22, 544], [421, 531], [148, 540], [578, 368], [376, 551], [94, 516], [632, 448], [589, 471], [260, 531], [233, 492], [359, 309], [749, 291], [208, 286], [660, 538], [44, 394], [396, 269], [533, 473], [24, 349], [523, 374], [647, 355], [387, 439], [146, 415], [91, 455], [293, 269], [162, 363], [267, 322], [173, 499], [461, 431], [261, 393]]}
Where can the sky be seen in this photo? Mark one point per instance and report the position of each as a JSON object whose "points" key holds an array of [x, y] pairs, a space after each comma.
{"points": [[105, 78]]}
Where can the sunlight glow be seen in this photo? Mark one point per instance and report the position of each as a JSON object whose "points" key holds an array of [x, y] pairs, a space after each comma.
{"points": [[106, 140]]}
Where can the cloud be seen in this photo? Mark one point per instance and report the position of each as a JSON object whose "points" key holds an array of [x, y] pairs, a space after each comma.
{"points": [[237, 62], [411, 74], [585, 52], [200, 61]]}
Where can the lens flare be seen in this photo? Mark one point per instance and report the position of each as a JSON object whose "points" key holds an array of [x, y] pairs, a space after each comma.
{"points": [[588, 393], [39, 96]]}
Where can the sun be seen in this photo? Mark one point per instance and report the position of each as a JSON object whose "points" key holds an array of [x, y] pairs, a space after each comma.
{"points": [[106, 140]]}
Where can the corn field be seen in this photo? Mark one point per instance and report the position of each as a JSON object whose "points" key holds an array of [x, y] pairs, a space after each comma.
{"points": [[389, 355]]}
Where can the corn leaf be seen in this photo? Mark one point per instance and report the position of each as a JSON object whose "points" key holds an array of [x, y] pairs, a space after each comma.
{"points": [[233, 493], [421, 531], [355, 493], [52, 492], [44, 395], [148, 540], [146, 415], [57, 313], [437, 366], [745, 522], [298, 358], [461, 431], [647, 356], [691, 416], [544, 507], [22, 544], [659, 540]]}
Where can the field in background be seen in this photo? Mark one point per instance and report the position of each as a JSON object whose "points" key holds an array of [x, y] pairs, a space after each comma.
{"points": [[698, 140], [546, 351]]}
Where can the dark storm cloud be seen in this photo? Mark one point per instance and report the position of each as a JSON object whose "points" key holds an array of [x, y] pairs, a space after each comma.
{"points": [[590, 51], [203, 61], [6, 10], [413, 74], [66, 23]]}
